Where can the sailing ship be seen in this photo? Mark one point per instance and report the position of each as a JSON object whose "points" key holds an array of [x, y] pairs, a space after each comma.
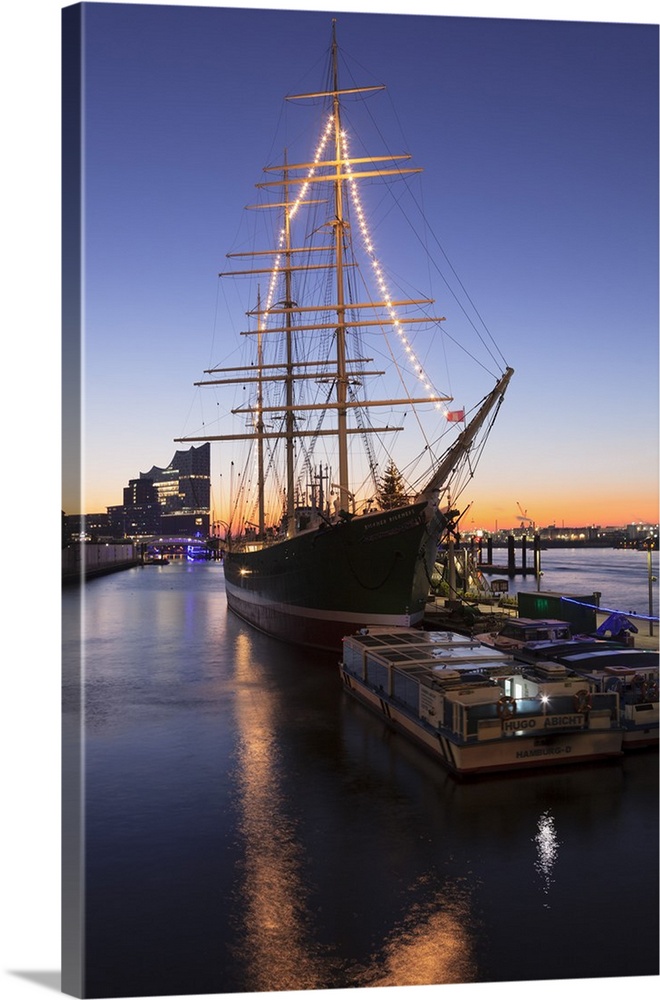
{"points": [[326, 532]]}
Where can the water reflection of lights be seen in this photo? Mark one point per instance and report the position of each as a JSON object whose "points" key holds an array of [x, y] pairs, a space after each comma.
{"points": [[433, 946], [275, 918], [433, 943], [547, 846]]}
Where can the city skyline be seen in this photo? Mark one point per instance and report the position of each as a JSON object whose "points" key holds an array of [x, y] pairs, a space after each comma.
{"points": [[544, 138], [517, 523]]}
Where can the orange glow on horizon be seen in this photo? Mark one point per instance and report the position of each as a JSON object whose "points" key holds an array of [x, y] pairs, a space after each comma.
{"points": [[572, 512], [487, 515]]}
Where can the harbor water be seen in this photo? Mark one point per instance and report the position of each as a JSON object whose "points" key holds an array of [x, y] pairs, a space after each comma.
{"points": [[248, 827], [620, 576]]}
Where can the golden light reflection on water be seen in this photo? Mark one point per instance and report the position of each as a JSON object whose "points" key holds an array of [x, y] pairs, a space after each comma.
{"points": [[433, 943], [433, 946], [275, 936], [547, 847]]}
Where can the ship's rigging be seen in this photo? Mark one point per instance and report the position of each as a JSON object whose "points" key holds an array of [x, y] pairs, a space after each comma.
{"points": [[307, 387]]}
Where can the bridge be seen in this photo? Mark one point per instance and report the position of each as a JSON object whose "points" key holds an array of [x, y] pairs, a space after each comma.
{"points": [[188, 545]]}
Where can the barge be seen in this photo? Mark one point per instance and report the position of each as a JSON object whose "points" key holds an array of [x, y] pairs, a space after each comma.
{"points": [[614, 667], [478, 710]]}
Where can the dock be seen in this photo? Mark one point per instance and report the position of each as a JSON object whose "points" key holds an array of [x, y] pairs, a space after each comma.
{"points": [[86, 560], [469, 618]]}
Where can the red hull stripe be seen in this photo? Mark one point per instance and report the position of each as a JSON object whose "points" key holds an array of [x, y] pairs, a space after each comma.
{"points": [[306, 626]]}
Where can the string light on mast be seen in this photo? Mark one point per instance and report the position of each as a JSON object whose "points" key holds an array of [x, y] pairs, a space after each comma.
{"points": [[369, 247], [325, 137], [380, 275]]}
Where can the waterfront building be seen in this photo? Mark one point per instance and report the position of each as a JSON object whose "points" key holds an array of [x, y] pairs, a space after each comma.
{"points": [[630, 535], [172, 501], [183, 492], [641, 532], [117, 520], [142, 509], [85, 528]]}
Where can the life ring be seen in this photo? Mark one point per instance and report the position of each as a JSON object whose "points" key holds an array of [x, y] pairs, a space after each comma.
{"points": [[649, 691], [506, 707], [582, 701], [638, 687]]}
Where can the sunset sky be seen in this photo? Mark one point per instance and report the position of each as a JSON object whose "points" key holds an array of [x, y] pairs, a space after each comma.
{"points": [[539, 141]]}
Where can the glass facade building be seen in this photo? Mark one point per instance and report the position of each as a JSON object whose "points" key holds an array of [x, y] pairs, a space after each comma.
{"points": [[182, 492]]}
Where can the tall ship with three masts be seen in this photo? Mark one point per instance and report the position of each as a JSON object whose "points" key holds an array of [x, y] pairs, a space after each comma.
{"points": [[329, 528]]}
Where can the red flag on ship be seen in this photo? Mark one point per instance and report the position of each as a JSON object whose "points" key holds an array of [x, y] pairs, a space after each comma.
{"points": [[455, 415]]}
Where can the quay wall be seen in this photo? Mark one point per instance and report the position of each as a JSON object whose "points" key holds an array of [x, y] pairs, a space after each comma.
{"points": [[87, 560]]}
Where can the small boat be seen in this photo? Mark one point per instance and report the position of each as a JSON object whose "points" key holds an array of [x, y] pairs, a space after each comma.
{"points": [[478, 710], [342, 476], [520, 634], [534, 639]]}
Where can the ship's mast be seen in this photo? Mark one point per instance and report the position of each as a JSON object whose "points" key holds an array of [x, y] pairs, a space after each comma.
{"points": [[339, 224], [260, 431], [461, 447], [288, 305]]}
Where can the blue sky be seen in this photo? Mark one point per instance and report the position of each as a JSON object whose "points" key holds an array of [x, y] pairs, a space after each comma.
{"points": [[539, 143]]}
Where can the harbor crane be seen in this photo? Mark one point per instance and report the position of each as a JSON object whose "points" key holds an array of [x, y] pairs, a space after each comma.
{"points": [[524, 518]]}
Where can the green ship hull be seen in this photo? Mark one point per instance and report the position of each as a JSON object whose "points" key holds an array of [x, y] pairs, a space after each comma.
{"points": [[328, 582]]}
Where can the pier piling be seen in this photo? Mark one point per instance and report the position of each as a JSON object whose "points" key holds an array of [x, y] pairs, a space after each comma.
{"points": [[512, 555]]}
